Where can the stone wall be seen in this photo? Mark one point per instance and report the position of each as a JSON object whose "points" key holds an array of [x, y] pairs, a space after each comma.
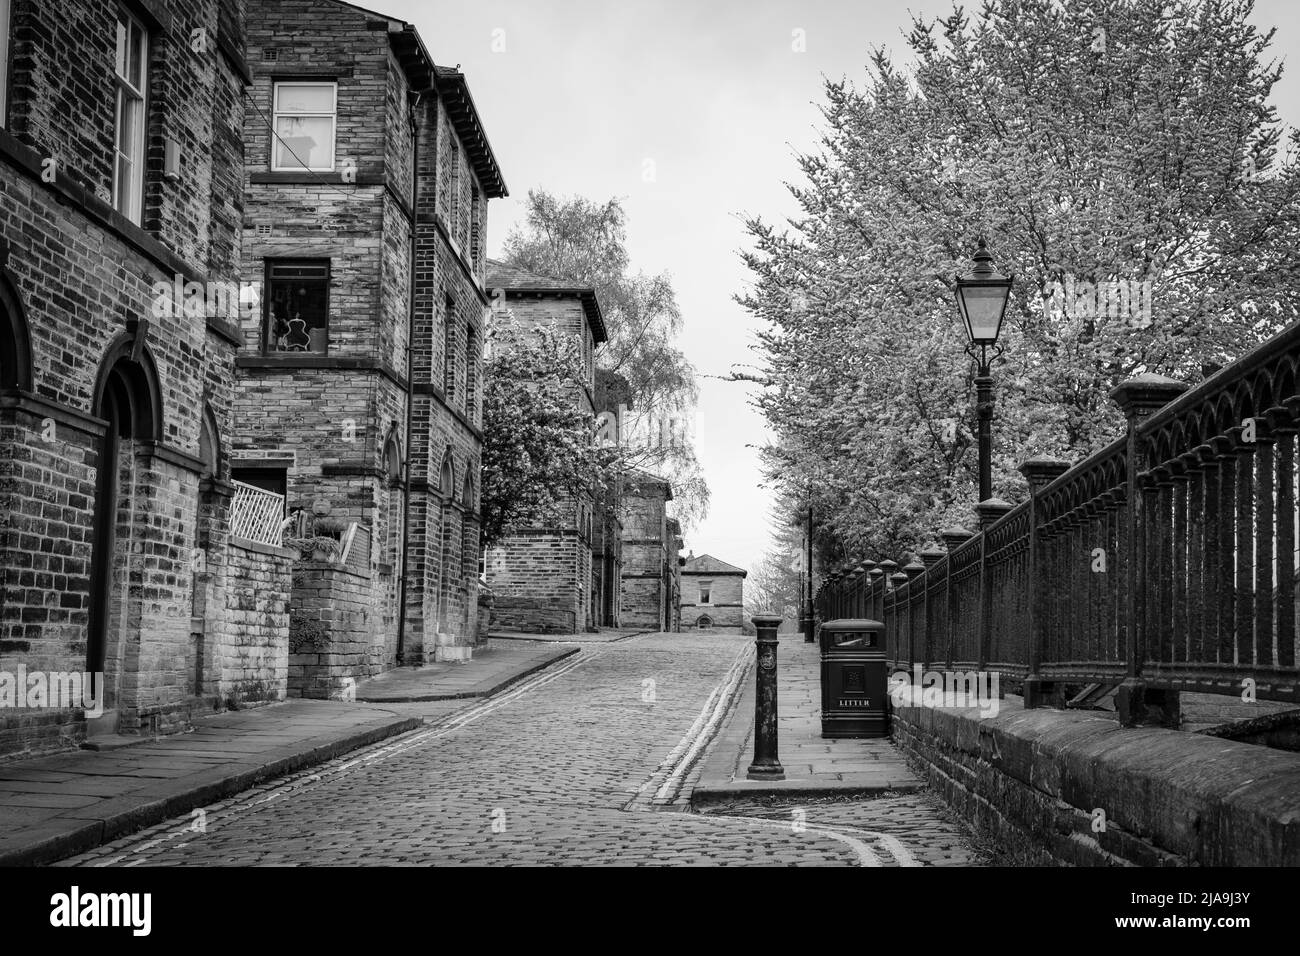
{"points": [[537, 581], [252, 655], [333, 642], [1074, 787]]}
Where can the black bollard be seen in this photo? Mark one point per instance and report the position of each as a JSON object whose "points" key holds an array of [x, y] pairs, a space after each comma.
{"points": [[766, 766]]}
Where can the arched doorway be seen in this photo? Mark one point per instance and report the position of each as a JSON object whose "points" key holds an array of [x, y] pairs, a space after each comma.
{"points": [[207, 513], [15, 375], [127, 398], [15, 347], [388, 539], [446, 488]]}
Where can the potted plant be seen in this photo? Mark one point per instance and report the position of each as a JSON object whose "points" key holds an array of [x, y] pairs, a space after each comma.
{"points": [[326, 527], [318, 547]]}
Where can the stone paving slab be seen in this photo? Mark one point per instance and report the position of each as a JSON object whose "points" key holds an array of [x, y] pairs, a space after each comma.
{"points": [[492, 669], [813, 766], [71, 802]]}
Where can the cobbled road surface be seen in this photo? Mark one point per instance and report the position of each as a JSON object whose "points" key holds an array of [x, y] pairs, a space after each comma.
{"points": [[548, 772]]}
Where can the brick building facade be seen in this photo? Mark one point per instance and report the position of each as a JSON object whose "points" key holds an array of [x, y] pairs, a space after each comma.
{"points": [[368, 178], [713, 594], [551, 577], [652, 543], [120, 168]]}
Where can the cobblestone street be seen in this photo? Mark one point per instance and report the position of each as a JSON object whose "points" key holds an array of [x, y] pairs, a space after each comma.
{"points": [[547, 772]]}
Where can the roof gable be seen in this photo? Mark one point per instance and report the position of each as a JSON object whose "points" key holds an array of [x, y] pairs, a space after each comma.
{"points": [[708, 564]]}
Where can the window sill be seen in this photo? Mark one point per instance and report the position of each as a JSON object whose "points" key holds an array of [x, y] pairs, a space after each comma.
{"points": [[297, 177], [293, 360]]}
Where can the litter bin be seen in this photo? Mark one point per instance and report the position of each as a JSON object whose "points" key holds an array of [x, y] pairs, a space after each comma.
{"points": [[855, 701]]}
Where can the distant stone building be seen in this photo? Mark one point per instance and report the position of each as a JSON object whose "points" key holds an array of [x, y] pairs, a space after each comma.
{"points": [[713, 595], [651, 545], [549, 577], [365, 212], [611, 398], [121, 159], [674, 561]]}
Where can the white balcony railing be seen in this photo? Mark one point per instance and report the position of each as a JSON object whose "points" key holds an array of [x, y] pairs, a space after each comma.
{"points": [[256, 514]]}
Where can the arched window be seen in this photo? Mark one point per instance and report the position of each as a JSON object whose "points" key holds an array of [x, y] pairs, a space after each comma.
{"points": [[210, 444], [447, 478], [469, 556], [704, 622], [392, 461]]}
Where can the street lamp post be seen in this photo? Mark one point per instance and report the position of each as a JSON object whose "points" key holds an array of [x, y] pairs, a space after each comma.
{"points": [[982, 297], [809, 612]]}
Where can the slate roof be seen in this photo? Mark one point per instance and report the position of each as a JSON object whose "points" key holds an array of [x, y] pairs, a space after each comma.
{"points": [[516, 281], [422, 73], [708, 564], [643, 483], [454, 90]]}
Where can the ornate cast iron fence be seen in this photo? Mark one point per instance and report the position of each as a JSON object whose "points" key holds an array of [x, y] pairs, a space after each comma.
{"points": [[1165, 562]]}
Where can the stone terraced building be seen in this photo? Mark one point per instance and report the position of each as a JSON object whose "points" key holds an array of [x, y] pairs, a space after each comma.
{"points": [[547, 577], [359, 378], [122, 579], [713, 594]]}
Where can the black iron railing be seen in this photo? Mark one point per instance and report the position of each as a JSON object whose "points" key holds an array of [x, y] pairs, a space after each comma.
{"points": [[1165, 562]]}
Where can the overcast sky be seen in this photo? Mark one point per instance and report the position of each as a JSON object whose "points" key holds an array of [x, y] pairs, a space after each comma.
{"points": [[691, 113]]}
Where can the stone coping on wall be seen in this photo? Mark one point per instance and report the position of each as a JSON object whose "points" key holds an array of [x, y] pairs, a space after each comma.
{"points": [[1076, 787], [313, 564], [250, 545]]}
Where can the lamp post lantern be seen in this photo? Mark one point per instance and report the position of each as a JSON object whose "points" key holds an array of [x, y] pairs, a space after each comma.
{"points": [[982, 297]]}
